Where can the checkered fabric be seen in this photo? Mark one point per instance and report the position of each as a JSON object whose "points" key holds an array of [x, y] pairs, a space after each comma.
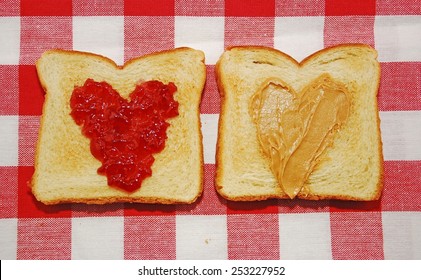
{"points": [[212, 228]]}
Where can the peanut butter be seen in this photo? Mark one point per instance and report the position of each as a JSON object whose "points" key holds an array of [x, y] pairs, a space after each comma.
{"points": [[294, 129]]}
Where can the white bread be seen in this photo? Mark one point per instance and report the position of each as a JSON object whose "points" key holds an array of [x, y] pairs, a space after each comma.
{"points": [[66, 171], [350, 168]]}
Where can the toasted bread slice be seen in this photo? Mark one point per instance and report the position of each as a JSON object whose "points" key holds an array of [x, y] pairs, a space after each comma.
{"points": [[66, 171], [350, 168]]}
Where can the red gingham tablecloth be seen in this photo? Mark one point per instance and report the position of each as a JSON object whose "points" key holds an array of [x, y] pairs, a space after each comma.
{"points": [[212, 228]]}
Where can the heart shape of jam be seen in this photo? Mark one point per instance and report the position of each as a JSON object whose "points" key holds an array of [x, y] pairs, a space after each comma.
{"points": [[124, 134], [295, 128]]}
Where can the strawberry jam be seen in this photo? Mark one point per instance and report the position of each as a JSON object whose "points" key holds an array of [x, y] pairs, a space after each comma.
{"points": [[124, 133]]}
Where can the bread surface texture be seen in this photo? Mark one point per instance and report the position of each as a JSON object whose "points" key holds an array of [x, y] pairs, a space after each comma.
{"points": [[66, 171], [350, 168]]}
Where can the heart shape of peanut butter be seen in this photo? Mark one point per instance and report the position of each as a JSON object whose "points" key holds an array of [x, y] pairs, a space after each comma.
{"points": [[124, 134], [294, 129]]}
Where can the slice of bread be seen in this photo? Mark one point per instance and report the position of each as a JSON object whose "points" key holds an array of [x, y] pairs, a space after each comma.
{"points": [[66, 171], [351, 166]]}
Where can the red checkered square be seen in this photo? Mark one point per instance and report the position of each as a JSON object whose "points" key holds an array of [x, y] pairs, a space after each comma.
{"points": [[250, 8], [39, 34], [28, 206], [9, 8], [98, 7], [199, 8], [31, 94], [350, 29], [149, 238], [45, 8], [141, 35], [249, 31], [401, 7], [303, 206], [400, 86], [269, 206], [402, 186], [138, 209], [252, 237], [345, 7], [289, 8], [106, 210], [210, 203], [28, 136], [9, 192], [9, 96], [44, 239], [149, 8], [211, 101], [355, 206], [356, 235]]}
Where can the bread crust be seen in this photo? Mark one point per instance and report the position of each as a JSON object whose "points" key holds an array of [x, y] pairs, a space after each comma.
{"points": [[123, 196], [280, 195]]}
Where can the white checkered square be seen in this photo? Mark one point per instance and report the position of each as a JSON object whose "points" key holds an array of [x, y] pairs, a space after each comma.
{"points": [[101, 35], [305, 236], [202, 33], [401, 135], [100, 238], [8, 239], [9, 140], [401, 232], [210, 135], [299, 36], [201, 237], [397, 38], [9, 40]]}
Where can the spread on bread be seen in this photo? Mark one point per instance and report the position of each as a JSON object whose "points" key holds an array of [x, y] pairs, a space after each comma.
{"points": [[295, 128], [124, 134]]}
